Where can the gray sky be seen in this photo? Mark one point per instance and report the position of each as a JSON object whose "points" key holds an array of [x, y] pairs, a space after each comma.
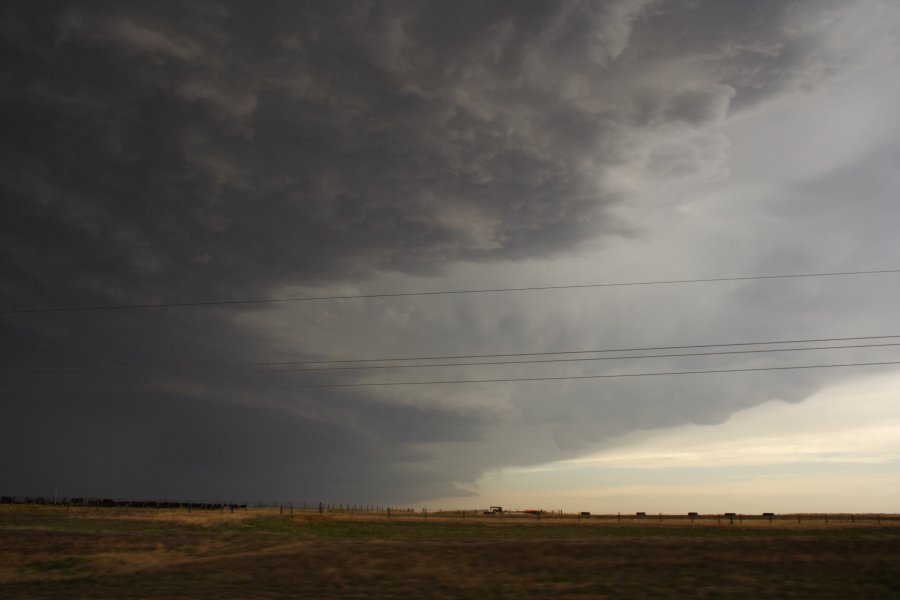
{"points": [[181, 152]]}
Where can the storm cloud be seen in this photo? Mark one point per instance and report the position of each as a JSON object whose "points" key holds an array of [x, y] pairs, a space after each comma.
{"points": [[179, 152]]}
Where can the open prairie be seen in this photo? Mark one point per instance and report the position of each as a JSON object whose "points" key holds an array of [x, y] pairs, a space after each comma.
{"points": [[52, 552]]}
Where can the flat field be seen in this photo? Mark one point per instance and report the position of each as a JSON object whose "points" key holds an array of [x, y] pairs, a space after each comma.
{"points": [[52, 552]]}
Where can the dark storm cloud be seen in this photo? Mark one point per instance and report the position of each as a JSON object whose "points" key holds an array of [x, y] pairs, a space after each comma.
{"points": [[313, 142], [283, 144], [191, 151], [159, 445]]}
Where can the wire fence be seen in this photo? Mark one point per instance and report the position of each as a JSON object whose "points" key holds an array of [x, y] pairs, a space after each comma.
{"points": [[289, 508]]}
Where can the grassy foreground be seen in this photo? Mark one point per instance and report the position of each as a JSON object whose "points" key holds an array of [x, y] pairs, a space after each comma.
{"points": [[51, 552]]}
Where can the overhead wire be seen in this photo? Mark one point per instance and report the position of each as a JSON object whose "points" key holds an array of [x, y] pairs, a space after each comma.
{"points": [[457, 381], [473, 364], [137, 306], [188, 367], [366, 363]]}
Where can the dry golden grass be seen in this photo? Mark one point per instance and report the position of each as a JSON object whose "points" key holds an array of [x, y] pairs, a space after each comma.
{"points": [[50, 552]]}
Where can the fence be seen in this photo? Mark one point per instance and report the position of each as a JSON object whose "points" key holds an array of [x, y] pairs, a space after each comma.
{"points": [[307, 506]]}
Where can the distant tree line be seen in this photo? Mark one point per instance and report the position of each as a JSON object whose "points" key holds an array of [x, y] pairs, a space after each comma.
{"points": [[115, 503]]}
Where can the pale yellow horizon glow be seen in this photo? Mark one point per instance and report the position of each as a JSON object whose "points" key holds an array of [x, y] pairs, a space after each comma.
{"points": [[838, 451]]}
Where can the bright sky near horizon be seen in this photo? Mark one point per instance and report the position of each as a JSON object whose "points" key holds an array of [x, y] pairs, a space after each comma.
{"points": [[837, 451], [214, 151]]}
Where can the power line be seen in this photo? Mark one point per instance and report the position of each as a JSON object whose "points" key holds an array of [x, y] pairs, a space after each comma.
{"points": [[485, 363], [176, 367], [57, 309], [460, 381], [606, 376], [562, 360]]}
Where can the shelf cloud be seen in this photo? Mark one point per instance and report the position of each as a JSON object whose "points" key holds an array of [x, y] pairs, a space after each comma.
{"points": [[222, 150]]}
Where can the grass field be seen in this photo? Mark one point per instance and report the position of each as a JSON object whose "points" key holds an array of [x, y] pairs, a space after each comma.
{"points": [[51, 552]]}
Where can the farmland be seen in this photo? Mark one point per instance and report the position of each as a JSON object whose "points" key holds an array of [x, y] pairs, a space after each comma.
{"points": [[55, 552]]}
